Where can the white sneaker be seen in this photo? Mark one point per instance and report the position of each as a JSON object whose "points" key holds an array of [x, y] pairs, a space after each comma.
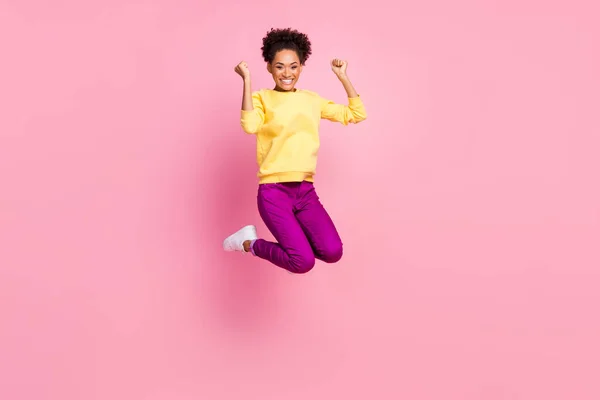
{"points": [[236, 241]]}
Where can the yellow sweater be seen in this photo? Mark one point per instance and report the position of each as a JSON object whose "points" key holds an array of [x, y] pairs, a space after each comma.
{"points": [[286, 125]]}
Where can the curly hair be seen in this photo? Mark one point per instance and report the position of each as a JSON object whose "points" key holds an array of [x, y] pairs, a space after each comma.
{"points": [[280, 39]]}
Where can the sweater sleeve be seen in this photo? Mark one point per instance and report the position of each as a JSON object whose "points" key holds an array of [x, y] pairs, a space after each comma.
{"points": [[354, 112], [252, 120]]}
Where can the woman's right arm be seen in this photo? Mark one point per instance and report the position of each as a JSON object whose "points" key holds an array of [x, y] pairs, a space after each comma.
{"points": [[253, 115], [243, 71], [247, 95]]}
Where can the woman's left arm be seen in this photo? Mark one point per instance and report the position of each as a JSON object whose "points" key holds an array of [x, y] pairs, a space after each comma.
{"points": [[339, 69], [355, 111]]}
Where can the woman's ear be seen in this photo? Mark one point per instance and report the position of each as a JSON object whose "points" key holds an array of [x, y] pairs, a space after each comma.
{"points": [[269, 68]]}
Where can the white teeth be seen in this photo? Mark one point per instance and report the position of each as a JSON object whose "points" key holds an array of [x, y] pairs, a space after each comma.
{"points": [[286, 81]]}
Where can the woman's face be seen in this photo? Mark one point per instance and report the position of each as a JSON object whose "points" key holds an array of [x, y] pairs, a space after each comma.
{"points": [[286, 69]]}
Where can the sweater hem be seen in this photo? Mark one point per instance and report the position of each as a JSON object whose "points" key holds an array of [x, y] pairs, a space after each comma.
{"points": [[286, 177]]}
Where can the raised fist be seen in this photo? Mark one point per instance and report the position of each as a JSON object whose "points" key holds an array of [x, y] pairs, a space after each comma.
{"points": [[242, 70], [339, 66]]}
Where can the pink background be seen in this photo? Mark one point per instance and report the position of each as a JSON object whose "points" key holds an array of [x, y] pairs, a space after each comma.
{"points": [[469, 204]]}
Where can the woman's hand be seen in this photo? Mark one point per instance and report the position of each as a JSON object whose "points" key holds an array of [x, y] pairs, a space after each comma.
{"points": [[339, 67], [242, 70]]}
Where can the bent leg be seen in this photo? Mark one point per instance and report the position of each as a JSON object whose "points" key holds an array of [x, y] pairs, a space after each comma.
{"points": [[292, 251], [318, 226]]}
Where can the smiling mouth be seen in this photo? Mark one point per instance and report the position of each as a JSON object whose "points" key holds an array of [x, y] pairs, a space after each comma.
{"points": [[287, 81]]}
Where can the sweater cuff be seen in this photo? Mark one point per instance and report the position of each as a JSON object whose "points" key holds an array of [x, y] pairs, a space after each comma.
{"points": [[354, 100]]}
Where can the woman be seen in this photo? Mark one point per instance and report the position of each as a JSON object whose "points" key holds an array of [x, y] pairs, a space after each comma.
{"points": [[285, 121]]}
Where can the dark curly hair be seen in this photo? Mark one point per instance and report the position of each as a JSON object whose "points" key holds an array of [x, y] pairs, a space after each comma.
{"points": [[289, 39]]}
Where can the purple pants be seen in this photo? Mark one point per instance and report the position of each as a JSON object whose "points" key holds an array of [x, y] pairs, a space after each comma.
{"points": [[304, 231]]}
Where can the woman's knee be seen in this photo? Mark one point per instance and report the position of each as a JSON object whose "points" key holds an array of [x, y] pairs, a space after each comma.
{"points": [[302, 264], [332, 253]]}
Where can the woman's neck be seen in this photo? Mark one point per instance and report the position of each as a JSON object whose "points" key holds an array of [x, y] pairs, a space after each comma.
{"points": [[278, 89]]}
